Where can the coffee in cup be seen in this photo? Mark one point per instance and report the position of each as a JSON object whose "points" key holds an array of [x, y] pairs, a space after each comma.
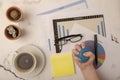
{"points": [[25, 62]]}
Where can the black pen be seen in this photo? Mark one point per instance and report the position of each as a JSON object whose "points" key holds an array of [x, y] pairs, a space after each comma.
{"points": [[95, 47]]}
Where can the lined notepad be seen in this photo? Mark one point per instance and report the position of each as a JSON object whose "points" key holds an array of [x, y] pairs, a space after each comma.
{"points": [[62, 65]]}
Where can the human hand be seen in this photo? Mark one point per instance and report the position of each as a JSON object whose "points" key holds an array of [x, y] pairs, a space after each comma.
{"points": [[89, 54]]}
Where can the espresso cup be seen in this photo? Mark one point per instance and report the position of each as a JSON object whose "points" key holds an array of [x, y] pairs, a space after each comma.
{"points": [[14, 14], [25, 62]]}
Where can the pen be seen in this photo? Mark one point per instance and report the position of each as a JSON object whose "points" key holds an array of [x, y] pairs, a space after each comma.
{"points": [[95, 48], [63, 7], [49, 43]]}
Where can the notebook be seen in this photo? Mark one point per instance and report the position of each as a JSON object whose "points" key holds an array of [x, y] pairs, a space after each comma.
{"points": [[62, 65]]}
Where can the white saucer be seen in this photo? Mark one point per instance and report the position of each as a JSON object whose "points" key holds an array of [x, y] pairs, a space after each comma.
{"points": [[40, 57]]}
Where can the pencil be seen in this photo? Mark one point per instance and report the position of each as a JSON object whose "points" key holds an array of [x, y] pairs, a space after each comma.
{"points": [[49, 43], [95, 47]]}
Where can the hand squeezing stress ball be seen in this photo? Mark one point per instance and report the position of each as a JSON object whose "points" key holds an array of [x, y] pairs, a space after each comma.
{"points": [[84, 59]]}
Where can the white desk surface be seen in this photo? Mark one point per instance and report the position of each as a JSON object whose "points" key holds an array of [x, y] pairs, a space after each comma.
{"points": [[31, 32]]}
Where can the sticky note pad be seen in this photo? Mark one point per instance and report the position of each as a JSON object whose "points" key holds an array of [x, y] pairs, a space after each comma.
{"points": [[62, 65]]}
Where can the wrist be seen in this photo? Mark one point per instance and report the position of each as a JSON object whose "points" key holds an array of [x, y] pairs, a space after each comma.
{"points": [[87, 68], [89, 73]]}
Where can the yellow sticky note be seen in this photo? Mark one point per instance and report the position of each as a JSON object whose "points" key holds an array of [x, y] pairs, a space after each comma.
{"points": [[62, 65]]}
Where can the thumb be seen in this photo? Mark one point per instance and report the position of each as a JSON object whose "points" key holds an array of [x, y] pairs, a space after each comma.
{"points": [[90, 55]]}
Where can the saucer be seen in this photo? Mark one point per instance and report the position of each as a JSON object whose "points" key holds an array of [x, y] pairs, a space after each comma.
{"points": [[40, 57]]}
